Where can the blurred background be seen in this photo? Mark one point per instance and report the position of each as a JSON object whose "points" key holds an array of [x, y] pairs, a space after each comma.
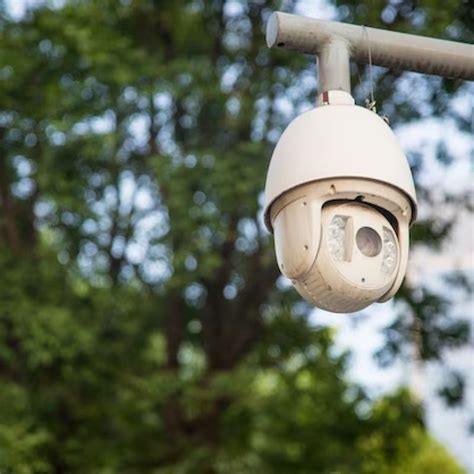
{"points": [[144, 327]]}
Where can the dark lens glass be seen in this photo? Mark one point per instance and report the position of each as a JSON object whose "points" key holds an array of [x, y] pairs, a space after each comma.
{"points": [[368, 241]]}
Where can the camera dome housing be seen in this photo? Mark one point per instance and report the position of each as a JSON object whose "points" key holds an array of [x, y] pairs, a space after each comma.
{"points": [[334, 154]]}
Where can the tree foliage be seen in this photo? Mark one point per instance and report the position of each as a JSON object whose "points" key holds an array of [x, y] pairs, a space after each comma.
{"points": [[143, 325]]}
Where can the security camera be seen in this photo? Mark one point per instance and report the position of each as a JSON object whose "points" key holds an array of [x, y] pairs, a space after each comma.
{"points": [[340, 200]]}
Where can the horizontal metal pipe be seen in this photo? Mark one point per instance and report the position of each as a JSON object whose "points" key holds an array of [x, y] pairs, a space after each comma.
{"points": [[387, 48]]}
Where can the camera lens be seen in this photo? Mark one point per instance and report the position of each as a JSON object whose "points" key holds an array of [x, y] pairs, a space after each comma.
{"points": [[368, 241]]}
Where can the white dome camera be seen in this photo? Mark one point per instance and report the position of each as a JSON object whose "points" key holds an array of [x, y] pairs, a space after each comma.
{"points": [[340, 199]]}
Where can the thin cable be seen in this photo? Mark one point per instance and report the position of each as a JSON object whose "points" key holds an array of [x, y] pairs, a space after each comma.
{"points": [[371, 78]]}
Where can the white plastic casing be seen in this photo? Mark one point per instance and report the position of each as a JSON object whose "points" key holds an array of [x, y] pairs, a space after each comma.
{"points": [[340, 140], [353, 282], [336, 153]]}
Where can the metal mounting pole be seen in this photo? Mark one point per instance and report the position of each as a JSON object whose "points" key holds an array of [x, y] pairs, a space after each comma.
{"points": [[388, 49], [334, 65]]}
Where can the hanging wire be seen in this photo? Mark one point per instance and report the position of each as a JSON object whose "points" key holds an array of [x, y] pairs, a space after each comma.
{"points": [[370, 104]]}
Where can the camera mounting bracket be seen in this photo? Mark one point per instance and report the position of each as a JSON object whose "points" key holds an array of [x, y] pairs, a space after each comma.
{"points": [[336, 44]]}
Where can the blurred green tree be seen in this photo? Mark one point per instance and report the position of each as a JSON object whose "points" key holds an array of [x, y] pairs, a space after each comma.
{"points": [[143, 325]]}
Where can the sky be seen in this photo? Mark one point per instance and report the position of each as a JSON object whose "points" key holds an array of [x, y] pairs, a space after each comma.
{"points": [[362, 332]]}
